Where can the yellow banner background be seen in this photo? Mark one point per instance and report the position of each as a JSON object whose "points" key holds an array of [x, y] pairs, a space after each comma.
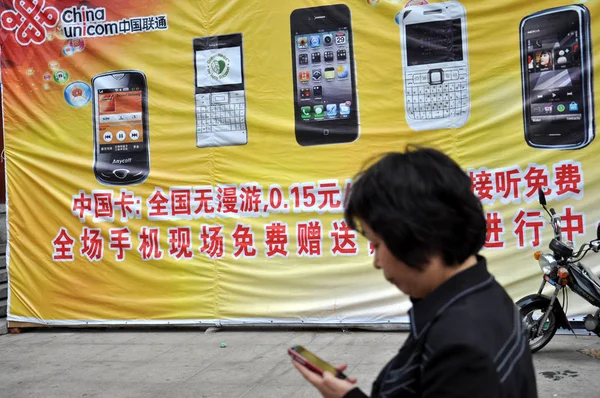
{"points": [[49, 155]]}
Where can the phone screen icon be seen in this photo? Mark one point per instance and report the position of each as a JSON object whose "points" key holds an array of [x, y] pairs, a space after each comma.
{"points": [[304, 76], [305, 112], [302, 42], [345, 108], [331, 110], [315, 41], [342, 72], [316, 75], [318, 112], [329, 73]]}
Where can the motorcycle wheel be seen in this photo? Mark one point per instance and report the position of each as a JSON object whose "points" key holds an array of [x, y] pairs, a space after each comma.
{"points": [[532, 315]]}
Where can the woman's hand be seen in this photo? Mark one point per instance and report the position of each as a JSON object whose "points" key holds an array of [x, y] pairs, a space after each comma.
{"points": [[328, 385]]}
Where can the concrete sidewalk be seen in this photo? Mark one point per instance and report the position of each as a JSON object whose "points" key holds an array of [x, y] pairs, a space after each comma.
{"points": [[255, 364]]}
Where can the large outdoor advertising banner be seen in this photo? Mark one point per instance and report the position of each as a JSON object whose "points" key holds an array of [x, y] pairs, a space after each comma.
{"points": [[187, 161]]}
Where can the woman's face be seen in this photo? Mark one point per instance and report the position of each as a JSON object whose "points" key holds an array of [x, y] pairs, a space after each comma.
{"points": [[545, 59], [408, 280]]}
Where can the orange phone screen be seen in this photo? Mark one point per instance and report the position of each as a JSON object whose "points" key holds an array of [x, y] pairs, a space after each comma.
{"points": [[120, 120]]}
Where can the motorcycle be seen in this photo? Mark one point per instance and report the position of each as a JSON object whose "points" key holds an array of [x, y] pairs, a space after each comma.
{"points": [[562, 268]]}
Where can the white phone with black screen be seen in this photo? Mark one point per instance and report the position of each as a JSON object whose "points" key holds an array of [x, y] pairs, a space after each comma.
{"points": [[435, 66]]}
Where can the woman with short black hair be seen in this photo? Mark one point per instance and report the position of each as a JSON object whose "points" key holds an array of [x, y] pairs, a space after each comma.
{"points": [[427, 228]]}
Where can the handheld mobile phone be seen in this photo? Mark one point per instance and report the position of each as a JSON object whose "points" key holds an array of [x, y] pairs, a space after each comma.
{"points": [[121, 127], [557, 78], [324, 75], [220, 91], [435, 63], [313, 362]]}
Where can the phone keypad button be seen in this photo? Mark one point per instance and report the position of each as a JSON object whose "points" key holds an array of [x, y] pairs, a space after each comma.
{"points": [[436, 77], [219, 98], [120, 173], [441, 100], [225, 112], [203, 99]]}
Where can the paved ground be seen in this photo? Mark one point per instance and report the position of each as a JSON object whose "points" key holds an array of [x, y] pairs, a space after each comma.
{"points": [[191, 363]]}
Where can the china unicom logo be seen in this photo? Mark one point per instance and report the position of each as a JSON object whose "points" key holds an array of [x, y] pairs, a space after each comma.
{"points": [[29, 20]]}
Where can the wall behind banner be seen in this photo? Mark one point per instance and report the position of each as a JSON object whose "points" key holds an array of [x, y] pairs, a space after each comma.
{"points": [[247, 224]]}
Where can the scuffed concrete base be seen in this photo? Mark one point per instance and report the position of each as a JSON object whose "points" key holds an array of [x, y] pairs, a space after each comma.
{"points": [[191, 363]]}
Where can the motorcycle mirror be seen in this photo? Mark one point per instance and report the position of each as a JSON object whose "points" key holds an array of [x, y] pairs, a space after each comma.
{"points": [[542, 197]]}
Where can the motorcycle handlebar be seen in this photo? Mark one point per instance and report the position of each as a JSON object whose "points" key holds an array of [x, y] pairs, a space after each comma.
{"points": [[583, 247], [583, 250]]}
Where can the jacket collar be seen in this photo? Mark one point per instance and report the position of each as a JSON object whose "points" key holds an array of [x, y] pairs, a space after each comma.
{"points": [[424, 311]]}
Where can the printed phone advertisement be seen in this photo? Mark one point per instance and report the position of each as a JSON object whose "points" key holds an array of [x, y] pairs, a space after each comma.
{"points": [[556, 63], [435, 66], [220, 92], [121, 149], [325, 99]]}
